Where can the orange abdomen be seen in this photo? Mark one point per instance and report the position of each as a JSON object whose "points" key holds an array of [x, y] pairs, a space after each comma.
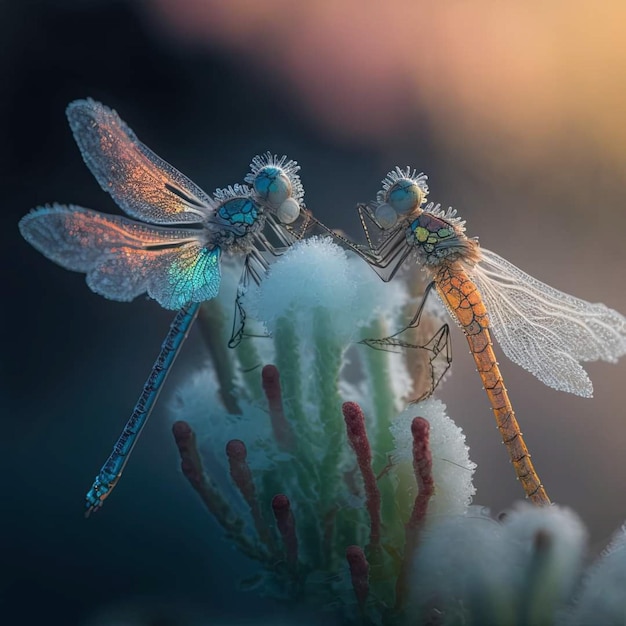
{"points": [[465, 304]]}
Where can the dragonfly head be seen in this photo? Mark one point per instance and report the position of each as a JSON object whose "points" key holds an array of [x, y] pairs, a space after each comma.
{"points": [[401, 197], [277, 186]]}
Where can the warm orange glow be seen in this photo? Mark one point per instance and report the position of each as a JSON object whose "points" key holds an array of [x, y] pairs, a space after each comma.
{"points": [[133, 174], [520, 78]]}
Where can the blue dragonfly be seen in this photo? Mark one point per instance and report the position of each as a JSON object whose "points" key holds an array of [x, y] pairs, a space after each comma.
{"points": [[173, 253]]}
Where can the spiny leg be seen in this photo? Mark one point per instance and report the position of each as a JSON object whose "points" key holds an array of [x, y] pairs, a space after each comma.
{"points": [[254, 268], [386, 259], [283, 233], [364, 252], [438, 345]]}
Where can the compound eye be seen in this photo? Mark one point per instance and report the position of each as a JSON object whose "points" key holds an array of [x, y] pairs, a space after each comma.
{"points": [[288, 211], [404, 196], [272, 185], [386, 216]]}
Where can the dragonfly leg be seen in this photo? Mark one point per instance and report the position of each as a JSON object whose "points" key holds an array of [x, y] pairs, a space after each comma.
{"points": [[438, 346], [254, 268], [386, 259], [305, 220], [285, 235]]}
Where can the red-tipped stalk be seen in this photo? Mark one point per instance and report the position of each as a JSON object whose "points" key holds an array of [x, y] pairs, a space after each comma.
{"points": [[359, 573], [242, 477], [286, 524], [280, 426], [422, 466], [357, 435], [190, 462], [191, 465]]}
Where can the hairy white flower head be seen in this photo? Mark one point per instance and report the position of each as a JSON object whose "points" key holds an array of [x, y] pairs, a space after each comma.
{"points": [[601, 599], [452, 468], [343, 471], [317, 274], [521, 570]]}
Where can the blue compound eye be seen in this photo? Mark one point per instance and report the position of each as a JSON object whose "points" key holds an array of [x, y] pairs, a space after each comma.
{"points": [[405, 195], [272, 185], [288, 211], [386, 216]]}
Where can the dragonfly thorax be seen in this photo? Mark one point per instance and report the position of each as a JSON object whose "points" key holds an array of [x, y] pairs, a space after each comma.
{"points": [[437, 240], [236, 220]]}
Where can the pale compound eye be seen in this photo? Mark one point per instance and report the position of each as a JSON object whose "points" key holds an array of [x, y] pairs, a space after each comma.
{"points": [[272, 185], [405, 195], [288, 211], [386, 215]]}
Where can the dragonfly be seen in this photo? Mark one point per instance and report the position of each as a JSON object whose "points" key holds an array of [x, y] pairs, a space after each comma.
{"points": [[547, 332], [172, 250]]}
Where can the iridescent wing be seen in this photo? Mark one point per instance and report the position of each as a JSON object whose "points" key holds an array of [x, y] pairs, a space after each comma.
{"points": [[142, 184], [123, 258], [545, 331]]}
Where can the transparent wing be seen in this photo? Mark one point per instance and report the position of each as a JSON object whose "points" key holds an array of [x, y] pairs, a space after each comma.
{"points": [[546, 331], [142, 184], [123, 258]]}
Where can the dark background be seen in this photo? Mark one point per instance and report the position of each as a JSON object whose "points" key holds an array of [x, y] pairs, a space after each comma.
{"points": [[518, 120]]}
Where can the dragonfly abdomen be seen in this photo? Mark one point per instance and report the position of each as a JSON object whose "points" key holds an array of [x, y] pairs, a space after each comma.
{"points": [[462, 298]]}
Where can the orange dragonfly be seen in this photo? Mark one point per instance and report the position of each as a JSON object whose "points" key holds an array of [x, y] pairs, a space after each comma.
{"points": [[545, 331]]}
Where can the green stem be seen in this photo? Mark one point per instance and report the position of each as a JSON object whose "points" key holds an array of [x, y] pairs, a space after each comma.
{"points": [[377, 363], [211, 322], [309, 525]]}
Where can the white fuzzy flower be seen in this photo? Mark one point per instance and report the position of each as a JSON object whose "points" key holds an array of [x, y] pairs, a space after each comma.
{"points": [[452, 468], [307, 478]]}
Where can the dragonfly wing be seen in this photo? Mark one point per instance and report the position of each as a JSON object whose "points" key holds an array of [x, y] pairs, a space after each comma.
{"points": [[190, 273], [142, 184], [545, 331], [123, 258]]}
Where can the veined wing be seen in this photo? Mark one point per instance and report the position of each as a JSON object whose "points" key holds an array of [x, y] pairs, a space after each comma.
{"points": [[546, 331], [142, 184], [123, 258]]}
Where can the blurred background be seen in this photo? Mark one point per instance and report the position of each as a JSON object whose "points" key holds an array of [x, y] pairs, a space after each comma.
{"points": [[516, 112]]}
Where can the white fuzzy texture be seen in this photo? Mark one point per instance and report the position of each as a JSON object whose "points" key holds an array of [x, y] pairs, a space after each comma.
{"points": [[522, 569], [312, 274], [602, 599], [461, 565], [197, 402], [316, 273], [452, 468], [545, 546], [558, 556]]}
